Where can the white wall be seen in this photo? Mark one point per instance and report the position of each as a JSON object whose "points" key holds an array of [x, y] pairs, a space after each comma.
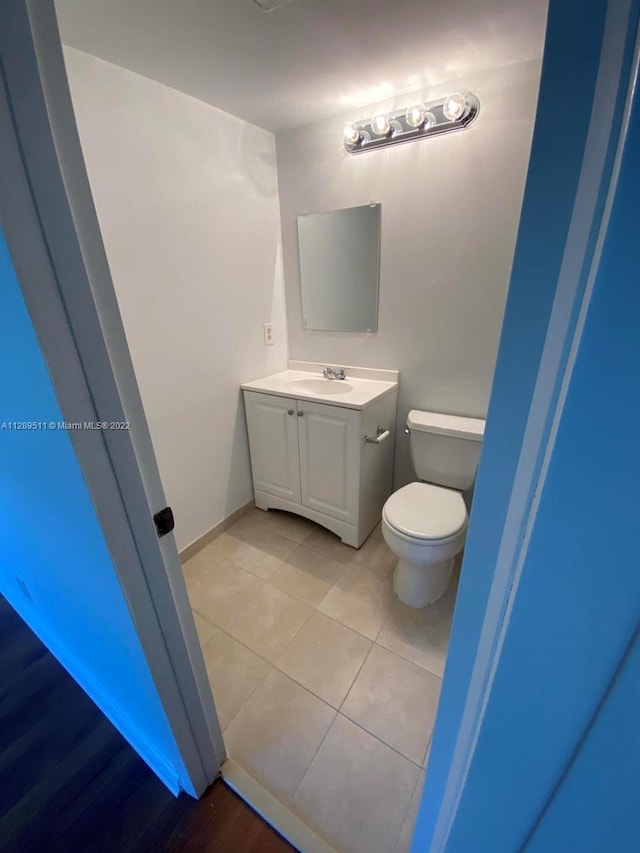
{"points": [[450, 209], [187, 199]]}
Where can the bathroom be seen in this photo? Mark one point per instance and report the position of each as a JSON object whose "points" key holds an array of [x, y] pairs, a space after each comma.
{"points": [[202, 152]]}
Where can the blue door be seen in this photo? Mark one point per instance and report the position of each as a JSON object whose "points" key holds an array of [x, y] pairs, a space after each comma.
{"points": [[555, 764]]}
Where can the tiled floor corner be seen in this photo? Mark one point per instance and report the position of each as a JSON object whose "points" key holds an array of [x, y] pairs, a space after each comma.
{"points": [[326, 685], [325, 657], [277, 733], [357, 791], [396, 701]]}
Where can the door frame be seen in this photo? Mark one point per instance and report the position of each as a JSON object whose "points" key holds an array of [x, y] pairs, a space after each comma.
{"points": [[52, 231], [55, 242]]}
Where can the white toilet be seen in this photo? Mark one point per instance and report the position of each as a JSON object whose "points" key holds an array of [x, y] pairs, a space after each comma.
{"points": [[425, 523]]}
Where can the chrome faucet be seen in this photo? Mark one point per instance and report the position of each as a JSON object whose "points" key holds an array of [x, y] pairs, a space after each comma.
{"points": [[333, 373]]}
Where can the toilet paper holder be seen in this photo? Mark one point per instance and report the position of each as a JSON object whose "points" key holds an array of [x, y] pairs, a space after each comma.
{"points": [[381, 435]]}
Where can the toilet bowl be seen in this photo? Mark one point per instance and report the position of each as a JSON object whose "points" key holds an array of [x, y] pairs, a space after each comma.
{"points": [[425, 526], [425, 523]]}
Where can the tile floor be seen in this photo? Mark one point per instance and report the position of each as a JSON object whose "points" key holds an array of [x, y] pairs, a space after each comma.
{"points": [[326, 685]]}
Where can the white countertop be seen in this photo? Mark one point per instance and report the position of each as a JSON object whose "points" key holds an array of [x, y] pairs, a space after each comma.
{"points": [[361, 387]]}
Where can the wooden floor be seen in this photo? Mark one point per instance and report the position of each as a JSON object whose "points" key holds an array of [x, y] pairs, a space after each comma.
{"points": [[70, 782]]}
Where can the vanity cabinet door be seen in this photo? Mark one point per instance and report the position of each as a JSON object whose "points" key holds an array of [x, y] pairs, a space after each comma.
{"points": [[273, 443], [329, 440]]}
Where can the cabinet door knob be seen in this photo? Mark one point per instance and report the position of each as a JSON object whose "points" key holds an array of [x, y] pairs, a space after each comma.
{"points": [[290, 412], [300, 414]]}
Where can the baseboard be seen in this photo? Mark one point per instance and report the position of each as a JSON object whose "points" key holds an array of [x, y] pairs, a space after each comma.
{"points": [[208, 537], [282, 819]]}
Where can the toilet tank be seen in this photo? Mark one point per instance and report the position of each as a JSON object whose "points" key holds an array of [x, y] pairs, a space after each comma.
{"points": [[445, 449]]}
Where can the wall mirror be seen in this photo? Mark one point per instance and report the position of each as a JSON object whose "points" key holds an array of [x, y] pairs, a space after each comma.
{"points": [[339, 254]]}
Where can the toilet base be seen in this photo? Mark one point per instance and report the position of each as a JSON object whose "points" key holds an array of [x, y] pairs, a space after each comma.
{"points": [[417, 586]]}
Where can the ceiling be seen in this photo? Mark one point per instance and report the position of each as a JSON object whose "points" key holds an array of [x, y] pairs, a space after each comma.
{"points": [[307, 59]]}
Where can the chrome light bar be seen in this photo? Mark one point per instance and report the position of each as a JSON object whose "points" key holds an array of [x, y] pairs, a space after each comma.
{"points": [[455, 112]]}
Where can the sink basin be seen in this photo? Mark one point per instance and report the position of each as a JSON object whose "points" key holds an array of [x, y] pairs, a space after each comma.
{"points": [[304, 380], [327, 387]]}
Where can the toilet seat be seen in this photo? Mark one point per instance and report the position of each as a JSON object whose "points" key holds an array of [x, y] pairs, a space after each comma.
{"points": [[424, 511]]}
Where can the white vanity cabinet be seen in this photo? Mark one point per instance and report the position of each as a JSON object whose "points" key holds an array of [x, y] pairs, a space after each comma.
{"points": [[311, 458], [273, 436], [328, 445]]}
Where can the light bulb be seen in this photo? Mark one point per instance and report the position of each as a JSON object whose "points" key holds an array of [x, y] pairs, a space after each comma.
{"points": [[381, 125], [430, 119], [416, 115], [350, 134], [454, 106]]}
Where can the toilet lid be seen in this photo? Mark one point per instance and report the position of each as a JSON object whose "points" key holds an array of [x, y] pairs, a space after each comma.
{"points": [[425, 511]]}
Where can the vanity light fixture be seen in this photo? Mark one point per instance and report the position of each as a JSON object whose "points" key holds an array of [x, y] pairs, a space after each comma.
{"points": [[419, 116], [454, 106], [350, 134], [381, 125], [415, 115], [455, 112]]}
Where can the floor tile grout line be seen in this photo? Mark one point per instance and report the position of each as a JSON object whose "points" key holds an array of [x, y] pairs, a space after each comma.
{"points": [[335, 714], [309, 615], [344, 624], [404, 657], [265, 583], [265, 553], [314, 608], [367, 732], [265, 528], [388, 610], [406, 813], [244, 645], [315, 754], [371, 639], [239, 642], [229, 634], [264, 580], [264, 677], [406, 660], [286, 560], [380, 740], [271, 666], [290, 806], [237, 566], [246, 701], [272, 520], [366, 658], [323, 552], [339, 624], [308, 689], [350, 564], [426, 752], [334, 582], [274, 666], [360, 726]]}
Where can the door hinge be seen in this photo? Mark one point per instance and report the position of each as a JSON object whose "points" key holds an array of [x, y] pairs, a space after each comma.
{"points": [[164, 521]]}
